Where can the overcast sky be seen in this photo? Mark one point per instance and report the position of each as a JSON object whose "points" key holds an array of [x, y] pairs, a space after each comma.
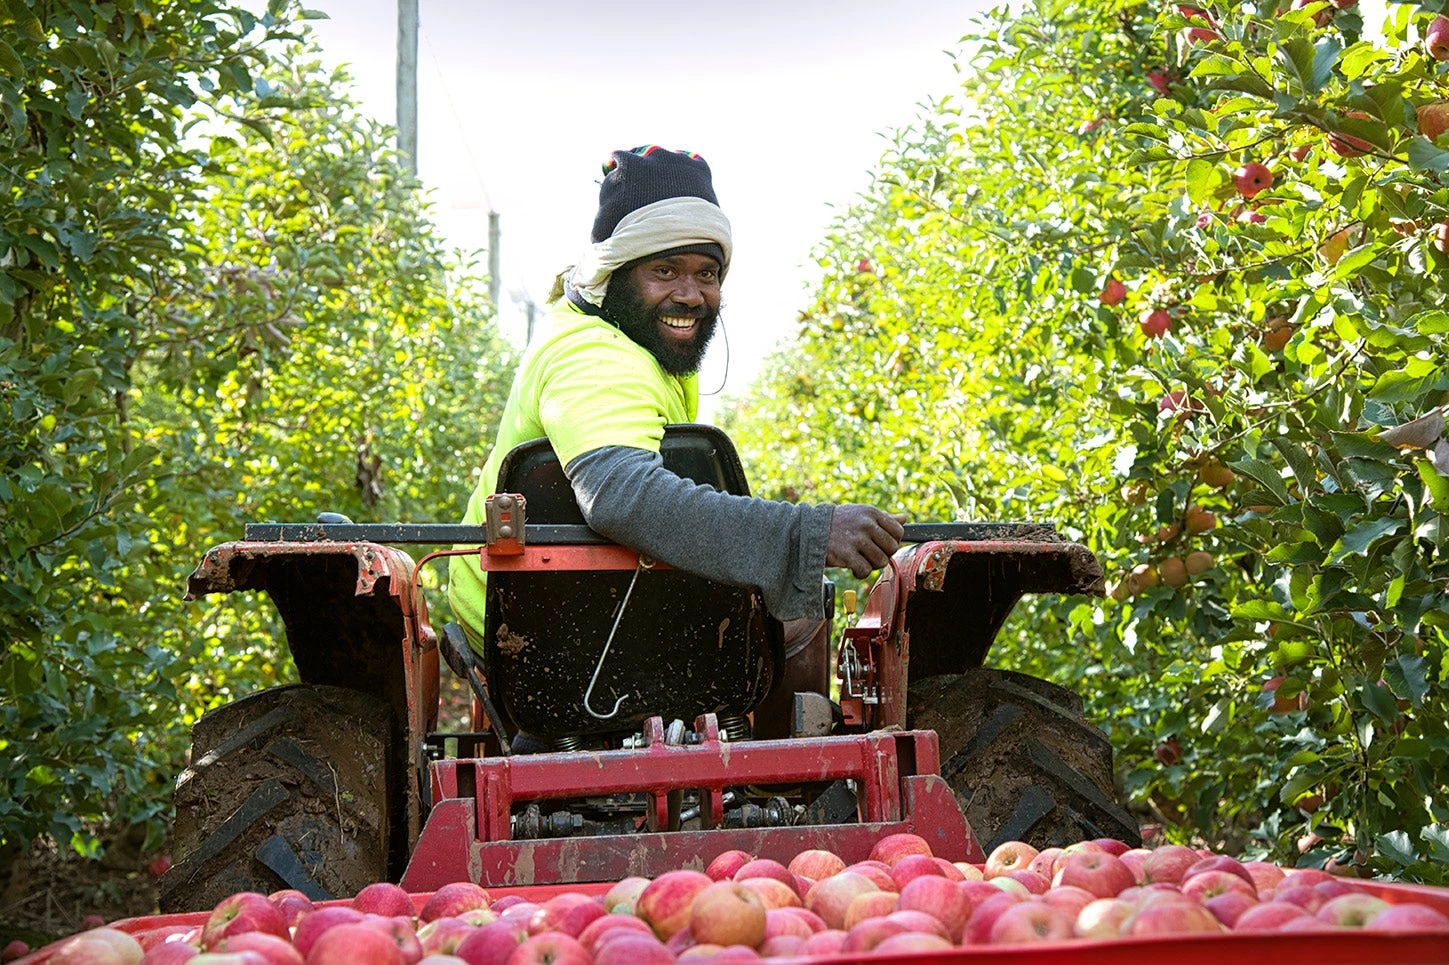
{"points": [[521, 102]]}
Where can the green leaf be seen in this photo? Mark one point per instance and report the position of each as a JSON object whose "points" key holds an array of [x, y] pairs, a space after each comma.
{"points": [[1360, 57], [1436, 836], [1259, 610], [1296, 55], [1356, 541], [1378, 701], [1433, 322], [1265, 475], [9, 61], [1398, 846], [1424, 156], [1408, 677], [1435, 483], [1299, 461], [1398, 386], [1361, 445], [1203, 177], [1325, 55]]}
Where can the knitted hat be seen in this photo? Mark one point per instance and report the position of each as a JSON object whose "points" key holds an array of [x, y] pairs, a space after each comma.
{"points": [[648, 174]]}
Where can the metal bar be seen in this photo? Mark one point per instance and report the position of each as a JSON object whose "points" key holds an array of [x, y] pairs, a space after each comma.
{"points": [[554, 534], [538, 534]]}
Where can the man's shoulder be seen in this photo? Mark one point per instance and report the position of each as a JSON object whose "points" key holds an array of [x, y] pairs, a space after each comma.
{"points": [[572, 335]]}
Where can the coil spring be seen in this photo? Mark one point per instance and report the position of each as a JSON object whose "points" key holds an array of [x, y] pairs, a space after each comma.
{"points": [[735, 728], [570, 743]]}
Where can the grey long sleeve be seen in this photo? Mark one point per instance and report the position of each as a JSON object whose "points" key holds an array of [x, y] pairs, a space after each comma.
{"points": [[627, 495]]}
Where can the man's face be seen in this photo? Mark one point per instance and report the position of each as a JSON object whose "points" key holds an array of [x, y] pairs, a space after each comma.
{"points": [[668, 304]]}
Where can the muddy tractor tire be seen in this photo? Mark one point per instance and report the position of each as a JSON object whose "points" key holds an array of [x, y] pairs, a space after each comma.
{"points": [[1023, 762], [287, 788]]}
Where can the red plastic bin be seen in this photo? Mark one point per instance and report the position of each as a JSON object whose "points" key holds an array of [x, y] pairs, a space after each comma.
{"points": [[1343, 947]]}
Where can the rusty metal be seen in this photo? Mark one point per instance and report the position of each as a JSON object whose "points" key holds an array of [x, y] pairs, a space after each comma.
{"points": [[352, 619], [955, 594], [469, 833]]}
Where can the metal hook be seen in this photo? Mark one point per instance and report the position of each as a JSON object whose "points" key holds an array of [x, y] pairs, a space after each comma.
{"points": [[588, 694]]}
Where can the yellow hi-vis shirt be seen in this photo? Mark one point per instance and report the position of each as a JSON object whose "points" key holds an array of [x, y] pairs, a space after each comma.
{"points": [[584, 385]]}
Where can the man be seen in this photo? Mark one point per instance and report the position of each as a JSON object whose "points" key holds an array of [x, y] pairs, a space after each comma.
{"points": [[616, 361]]}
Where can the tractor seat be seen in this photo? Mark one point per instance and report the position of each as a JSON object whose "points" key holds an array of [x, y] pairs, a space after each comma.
{"points": [[685, 645]]}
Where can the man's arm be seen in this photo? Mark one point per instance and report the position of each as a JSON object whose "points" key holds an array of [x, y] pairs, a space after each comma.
{"points": [[627, 495]]}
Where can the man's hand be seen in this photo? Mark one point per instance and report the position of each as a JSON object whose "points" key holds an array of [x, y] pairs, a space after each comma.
{"points": [[862, 538]]}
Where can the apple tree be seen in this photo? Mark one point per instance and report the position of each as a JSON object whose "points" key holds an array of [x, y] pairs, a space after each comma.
{"points": [[1173, 280]]}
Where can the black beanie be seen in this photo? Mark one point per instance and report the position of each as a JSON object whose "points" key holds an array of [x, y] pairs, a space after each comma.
{"points": [[645, 175]]}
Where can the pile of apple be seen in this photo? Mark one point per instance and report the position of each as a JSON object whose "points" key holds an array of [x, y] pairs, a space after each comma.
{"points": [[742, 909]]}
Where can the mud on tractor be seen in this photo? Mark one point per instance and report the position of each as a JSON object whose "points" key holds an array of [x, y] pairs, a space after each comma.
{"points": [[635, 684]]}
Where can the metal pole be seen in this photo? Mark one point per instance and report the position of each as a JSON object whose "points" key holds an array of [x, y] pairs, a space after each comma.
{"points": [[407, 83], [531, 309], [495, 275]]}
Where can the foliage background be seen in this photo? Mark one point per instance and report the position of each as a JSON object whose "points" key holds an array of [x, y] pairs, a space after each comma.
{"points": [[221, 300], [961, 361]]}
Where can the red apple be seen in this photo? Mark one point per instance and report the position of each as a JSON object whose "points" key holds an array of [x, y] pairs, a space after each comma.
{"points": [[1168, 863], [522, 913], [400, 930], [779, 921], [872, 904], [1351, 911], [1219, 862], [782, 946], [1209, 884], [1436, 38], [1030, 880], [808, 917], [1009, 856], [1268, 916], [633, 949], [442, 936], [1266, 876], [724, 867], [1009, 884], [816, 863], [624, 894], [918, 921], [19, 949], [492, 944], [450, 901], [99, 946], [945, 901], [311, 926], [1155, 322], [869, 933], [1112, 293], [250, 958], [1102, 874], [772, 893], [1301, 895], [1253, 178], [242, 912], [353, 943], [1102, 918], [386, 899], [599, 926], [979, 891], [276, 951], [969, 871], [1410, 917], [1030, 921], [1069, 899], [879, 874], [983, 917], [665, 903], [1135, 859], [910, 942], [831, 899], [1170, 918], [1306, 876], [550, 948], [828, 942], [1044, 863], [1229, 906], [894, 847], [152, 937], [167, 953], [912, 866], [727, 913], [1111, 846], [568, 913], [765, 868]]}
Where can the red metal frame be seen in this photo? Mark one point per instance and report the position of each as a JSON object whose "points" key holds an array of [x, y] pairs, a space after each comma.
{"points": [[468, 834]]}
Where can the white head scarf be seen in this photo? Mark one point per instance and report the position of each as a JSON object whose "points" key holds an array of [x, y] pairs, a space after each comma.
{"points": [[656, 227]]}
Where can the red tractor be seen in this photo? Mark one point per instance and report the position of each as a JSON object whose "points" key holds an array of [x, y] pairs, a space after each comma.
{"points": [[634, 684]]}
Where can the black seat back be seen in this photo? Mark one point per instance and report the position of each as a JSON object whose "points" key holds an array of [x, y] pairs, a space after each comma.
{"points": [[685, 645]]}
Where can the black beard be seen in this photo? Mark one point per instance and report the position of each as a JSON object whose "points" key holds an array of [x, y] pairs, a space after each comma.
{"points": [[623, 306]]}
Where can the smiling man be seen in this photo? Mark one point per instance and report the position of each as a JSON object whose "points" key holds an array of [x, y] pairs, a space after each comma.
{"points": [[617, 361]]}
